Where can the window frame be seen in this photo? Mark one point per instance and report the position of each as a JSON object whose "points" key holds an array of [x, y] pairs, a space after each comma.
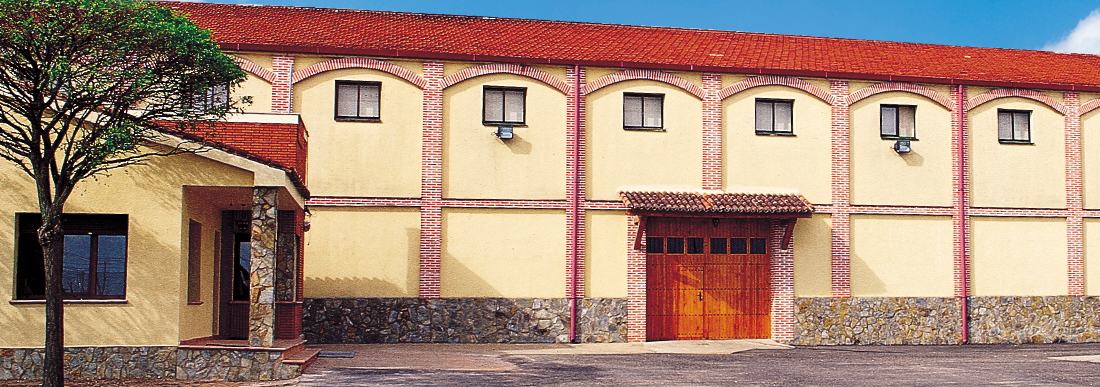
{"points": [[208, 100], [95, 225], [644, 96], [503, 106], [358, 117], [773, 132], [897, 122], [1014, 140]]}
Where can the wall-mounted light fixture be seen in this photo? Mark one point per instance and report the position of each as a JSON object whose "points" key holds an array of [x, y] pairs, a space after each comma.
{"points": [[902, 146], [716, 222], [504, 132]]}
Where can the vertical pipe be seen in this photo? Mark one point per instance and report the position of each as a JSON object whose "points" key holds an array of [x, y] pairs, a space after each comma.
{"points": [[964, 239], [576, 200]]}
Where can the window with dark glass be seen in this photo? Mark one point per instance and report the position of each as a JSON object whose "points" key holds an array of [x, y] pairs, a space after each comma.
{"points": [[758, 246], [774, 116], [738, 246], [654, 245], [504, 105], [358, 100], [675, 246], [93, 263], [1014, 126], [194, 262], [695, 245], [643, 111], [717, 245], [898, 122], [216, 96]]}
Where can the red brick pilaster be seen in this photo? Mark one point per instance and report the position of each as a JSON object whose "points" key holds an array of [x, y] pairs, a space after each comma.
{"points": [[960, 199], [712, 131], [431, 181], [281, 92], [841, 267], [1075, 232], [574, 184], [635, 285], [782, 284]]}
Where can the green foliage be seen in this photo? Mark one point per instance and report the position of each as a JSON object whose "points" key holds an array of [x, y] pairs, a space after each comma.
{"points": [[84, 82]]}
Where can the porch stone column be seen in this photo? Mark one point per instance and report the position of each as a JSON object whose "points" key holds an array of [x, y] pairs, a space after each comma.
{"points": [[261, 310]]}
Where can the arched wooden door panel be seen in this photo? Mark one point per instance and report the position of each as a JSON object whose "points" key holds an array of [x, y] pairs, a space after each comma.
{"points": [[707, 279]]}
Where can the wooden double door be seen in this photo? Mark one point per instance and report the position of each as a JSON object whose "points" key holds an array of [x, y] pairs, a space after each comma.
{"points": [[707, 278]]}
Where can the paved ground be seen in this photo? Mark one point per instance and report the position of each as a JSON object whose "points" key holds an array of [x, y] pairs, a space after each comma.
{"points": [[713, 363]]}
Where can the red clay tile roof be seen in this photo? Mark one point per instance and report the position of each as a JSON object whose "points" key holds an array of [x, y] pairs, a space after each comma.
{"points": [[716, 202], [396, 34]]}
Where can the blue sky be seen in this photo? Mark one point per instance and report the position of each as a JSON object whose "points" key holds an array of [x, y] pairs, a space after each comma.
{"points": [[1007, 24]]}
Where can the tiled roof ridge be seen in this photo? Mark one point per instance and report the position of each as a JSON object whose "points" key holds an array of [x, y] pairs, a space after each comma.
{"points": [[711, 201], [168, 3]]}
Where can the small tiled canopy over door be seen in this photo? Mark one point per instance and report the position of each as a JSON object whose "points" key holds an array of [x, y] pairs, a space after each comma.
{"points": [[708, 263]]}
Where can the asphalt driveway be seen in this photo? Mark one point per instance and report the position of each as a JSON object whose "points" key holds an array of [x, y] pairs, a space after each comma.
{"points": [[716, 363]]}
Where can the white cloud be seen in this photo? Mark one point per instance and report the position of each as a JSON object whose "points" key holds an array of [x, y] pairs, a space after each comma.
{"points": [[1084, 39]]}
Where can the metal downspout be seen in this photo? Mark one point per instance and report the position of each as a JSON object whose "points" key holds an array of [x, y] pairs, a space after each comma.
{"points": [[964, 225], [576, 199]]}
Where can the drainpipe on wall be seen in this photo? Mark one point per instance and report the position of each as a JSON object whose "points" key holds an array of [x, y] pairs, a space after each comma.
{"points": [[576, 199], [964, 224]]}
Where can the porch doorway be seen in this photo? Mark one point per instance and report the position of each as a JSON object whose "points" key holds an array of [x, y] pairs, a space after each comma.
{"points": [[235, 268], [707, 278]]}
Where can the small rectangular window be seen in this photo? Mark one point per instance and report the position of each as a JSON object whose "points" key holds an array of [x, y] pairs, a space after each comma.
{"points": [[758, 246], [643, 111], [717, 245], [675, 245], [358, 100], [1014, 126], [194, 262], [215, 97], [655, 245], [738, 246], [504, 105], [774, 116], [94, 263], [898, 122], [695, 245]]}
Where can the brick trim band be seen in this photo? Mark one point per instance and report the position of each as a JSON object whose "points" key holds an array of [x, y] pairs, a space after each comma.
{"points": [[770, 80], [653, 75], [507, 68], [1088, 107], [1022, 93], [255, 69], [913, 88], [363, 63]]}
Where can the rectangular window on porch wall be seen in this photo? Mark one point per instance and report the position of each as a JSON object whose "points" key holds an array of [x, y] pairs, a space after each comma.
{"points": [[775, 117], [94, 263]]}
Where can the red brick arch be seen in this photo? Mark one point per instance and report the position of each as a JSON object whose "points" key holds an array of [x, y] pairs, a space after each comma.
{"points": [[903, 87], [1022, 93], [255, 69], [360, 63], [1088, 107], [770, 80], [506, 68], [653, 75]]}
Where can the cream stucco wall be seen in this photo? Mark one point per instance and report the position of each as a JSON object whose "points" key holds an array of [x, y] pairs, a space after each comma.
{"points": [[606, 246], [881, 176], [1092, 257], [801, 161], [260, 92], [813, 257], [508, 253], [363, 252], [152, 197], [618, 157], [370, 159], [477, 164], [902, 256], [1018, 256], [1090, 158], [1016, 175]]}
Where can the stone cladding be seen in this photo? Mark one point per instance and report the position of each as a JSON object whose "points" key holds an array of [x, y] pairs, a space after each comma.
{"points": [[206, 364], [855, 321], [93, 363], [461, 320], [1022, 319]]}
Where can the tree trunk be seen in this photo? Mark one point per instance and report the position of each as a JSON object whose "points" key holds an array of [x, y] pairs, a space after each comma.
{"points": [[51, 237]]}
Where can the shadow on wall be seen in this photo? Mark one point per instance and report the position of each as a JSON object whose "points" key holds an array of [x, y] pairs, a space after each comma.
{"points": [[371, 287], [913, 159], [518, 145], [460, 281], [868, 281]]}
